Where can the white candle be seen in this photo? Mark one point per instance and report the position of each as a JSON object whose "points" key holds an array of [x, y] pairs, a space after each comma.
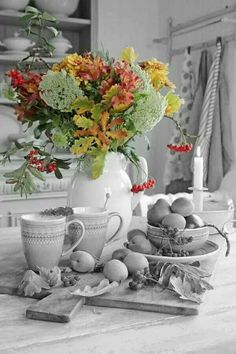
{"points": [[198, 170]]}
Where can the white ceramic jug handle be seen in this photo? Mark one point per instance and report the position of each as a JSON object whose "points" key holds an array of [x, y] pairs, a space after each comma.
{"points": [[110, 215], [81, 232]]}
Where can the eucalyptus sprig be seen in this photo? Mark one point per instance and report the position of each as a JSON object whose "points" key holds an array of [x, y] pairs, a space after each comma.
{"points": [[39, 27]]}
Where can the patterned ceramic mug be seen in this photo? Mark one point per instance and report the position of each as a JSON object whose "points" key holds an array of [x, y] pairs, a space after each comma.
{"points": [[43, 239], [95, 221]]}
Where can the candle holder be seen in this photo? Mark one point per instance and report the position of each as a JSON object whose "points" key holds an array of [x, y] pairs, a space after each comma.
{"points": [[198, 198]]}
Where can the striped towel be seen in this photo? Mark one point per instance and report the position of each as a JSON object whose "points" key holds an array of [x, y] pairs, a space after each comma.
{"points": [[207, 113]]}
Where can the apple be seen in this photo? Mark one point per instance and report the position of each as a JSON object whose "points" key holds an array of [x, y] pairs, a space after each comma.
{"points": [[136, 261], [115, 270], [82, 262]]}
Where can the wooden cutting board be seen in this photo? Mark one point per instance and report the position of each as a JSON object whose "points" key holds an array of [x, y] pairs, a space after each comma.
{"points": [[59, 305]]}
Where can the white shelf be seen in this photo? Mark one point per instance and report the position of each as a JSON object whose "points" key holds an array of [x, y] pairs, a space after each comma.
{"points": [[70, 23], [12, 58]]}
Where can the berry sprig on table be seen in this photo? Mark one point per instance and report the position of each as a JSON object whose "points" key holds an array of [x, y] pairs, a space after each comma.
{"points": [[181, 147], [150, 183], [60, 211]]}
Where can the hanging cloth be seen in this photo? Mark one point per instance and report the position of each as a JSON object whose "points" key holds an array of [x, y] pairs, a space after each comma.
{"points": [[221, 149], [173, 167], [206, 118], [193, 126]]}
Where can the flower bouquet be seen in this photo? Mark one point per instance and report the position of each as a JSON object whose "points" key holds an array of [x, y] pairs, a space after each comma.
{"points": [[87, 104]]}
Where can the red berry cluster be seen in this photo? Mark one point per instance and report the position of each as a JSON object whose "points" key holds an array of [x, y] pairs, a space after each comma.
{"points": [[180, 148], [40, 163], [16, 77], [141, 187]]}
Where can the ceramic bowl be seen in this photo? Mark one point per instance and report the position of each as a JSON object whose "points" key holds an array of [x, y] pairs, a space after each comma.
{"points": [[17, 43], [62, 8], [16, 5], [61, 44], [200, 236]]}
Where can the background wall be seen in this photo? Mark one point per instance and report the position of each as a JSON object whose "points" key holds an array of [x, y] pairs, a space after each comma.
{"points": [[136, 23]]}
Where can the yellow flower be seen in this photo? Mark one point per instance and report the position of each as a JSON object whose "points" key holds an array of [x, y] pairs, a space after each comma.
{"points": [[128, 54], [69, 63], [174, 104], [158, 73]]}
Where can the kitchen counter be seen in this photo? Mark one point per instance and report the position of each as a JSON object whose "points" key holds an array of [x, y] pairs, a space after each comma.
{"points": [[111, 330]]}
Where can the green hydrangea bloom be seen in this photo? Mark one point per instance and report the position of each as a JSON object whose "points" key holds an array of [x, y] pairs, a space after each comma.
{"points": [[149, 110], [59, 90]]}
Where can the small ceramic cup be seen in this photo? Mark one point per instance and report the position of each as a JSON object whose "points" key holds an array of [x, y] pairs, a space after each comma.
{"points": [[43, 239], [95, 221]]}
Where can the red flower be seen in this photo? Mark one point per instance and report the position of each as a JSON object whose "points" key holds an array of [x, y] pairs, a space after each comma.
{"points": [[180, 148], [17, 78], [128, 79]]}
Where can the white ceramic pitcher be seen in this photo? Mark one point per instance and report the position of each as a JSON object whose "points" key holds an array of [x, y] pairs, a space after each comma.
{"points": [[85, 191]]}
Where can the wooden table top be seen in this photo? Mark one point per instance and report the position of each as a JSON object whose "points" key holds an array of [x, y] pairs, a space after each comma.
{"points": [[111, 330]]}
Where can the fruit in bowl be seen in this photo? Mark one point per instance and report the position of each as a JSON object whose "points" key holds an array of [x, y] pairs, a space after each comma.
{"points": [[179, 232], [174, 240], [194, 221], [158, 211]]}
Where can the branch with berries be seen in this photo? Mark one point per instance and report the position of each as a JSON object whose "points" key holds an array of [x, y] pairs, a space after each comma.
{"points": [[149, 184], [37, 162], [184, 146]]}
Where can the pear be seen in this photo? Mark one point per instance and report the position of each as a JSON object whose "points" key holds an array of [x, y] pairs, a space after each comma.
{"points": [[194, 221], [120, 253], [135, 232], [158, 211], [141, 244]]}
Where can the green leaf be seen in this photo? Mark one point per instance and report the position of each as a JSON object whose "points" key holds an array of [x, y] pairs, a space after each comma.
{"points": [[47, 17], [97, 111], [31, 9], [27, 17], [53, 30], [36, 173], [98, 164], [29, 183], [58, 174], [18, 173], [62, 164], [37, 132], [17, 187], [83, 122], [82, 105], [18, 145]]}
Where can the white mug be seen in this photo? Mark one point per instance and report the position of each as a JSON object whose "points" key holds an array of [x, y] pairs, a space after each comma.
{"points": [[95, 221], [43, 239]]}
